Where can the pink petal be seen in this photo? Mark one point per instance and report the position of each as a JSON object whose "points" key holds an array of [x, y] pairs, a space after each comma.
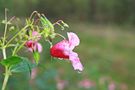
{"points": [[60, 50], [64, 46], [36, 35], [112, 86], [33, 46], [34, 73], [30, 44], [30, 49], [86, 83], [75, 61], [39, 47], [73, 39]]}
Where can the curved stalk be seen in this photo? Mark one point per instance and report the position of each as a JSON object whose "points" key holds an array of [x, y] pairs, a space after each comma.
{"points": [[16, 35]]}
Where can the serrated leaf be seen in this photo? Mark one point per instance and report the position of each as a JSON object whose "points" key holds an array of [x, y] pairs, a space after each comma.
{"points": [[24, 66], [36, 57], [13, 60]]}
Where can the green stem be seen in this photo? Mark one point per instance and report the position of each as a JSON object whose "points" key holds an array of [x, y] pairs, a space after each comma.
{"points": [[17, 49], [4, 53], [7, 74], [7, 71], [5, 34], [16, 35], [60, 35], [6, 25], [4, 38]]}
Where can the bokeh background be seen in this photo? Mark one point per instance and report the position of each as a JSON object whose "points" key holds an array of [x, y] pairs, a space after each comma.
{"points": [[107, 49]]}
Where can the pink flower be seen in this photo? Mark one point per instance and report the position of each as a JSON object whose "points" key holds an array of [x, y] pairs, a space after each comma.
{"points": [[33, 44], [34, 73], [64, 50], [61, 84], [36, 35], [112, 86], [86, 83]]}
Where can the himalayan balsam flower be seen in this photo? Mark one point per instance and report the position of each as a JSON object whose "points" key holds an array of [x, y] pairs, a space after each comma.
{"points": [[86, 83], [36, 35], [33, 45], [34, 73], [64, 50], [112, 86], [61, 84]]}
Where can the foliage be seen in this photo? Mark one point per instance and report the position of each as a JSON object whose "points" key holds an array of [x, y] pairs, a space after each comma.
{"points": [[37, 26]]}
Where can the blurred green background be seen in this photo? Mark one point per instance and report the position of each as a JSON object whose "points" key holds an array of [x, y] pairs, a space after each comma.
{"points": [[107, 49]]}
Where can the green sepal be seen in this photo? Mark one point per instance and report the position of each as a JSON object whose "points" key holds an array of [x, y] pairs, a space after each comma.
{"points": [[46, 23], [36, 56]]}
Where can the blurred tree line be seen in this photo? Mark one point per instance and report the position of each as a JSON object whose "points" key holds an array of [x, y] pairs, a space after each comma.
{"points": [[90, 10]]}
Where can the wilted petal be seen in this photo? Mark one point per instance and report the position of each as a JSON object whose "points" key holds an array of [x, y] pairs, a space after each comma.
{"points": [[75, 61], [73, 39]]}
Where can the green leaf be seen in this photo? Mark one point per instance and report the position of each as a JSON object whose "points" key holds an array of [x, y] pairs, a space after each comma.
{"points": [[36, 56], [11, 61], [24, 66]]}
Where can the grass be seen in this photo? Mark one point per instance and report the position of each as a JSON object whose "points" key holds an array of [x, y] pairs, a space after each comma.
{"points": [[110, 49]]}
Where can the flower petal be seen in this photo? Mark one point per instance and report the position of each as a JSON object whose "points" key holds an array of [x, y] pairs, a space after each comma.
{"points": [[33, 46], [73, 39], [60, 50], [75, 61], [39, 47], [30, 45], [36, 35]]}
